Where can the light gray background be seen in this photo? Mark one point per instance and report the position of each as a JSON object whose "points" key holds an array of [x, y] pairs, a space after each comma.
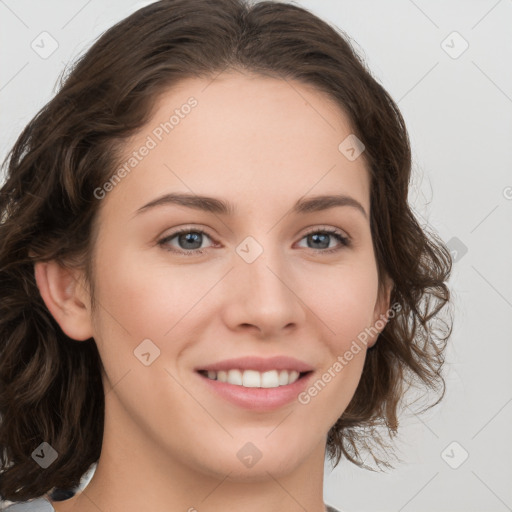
{"points": [[459, 115]]}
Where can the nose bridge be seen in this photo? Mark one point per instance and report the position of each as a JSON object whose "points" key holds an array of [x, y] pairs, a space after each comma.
{"points": [[264, 293]]}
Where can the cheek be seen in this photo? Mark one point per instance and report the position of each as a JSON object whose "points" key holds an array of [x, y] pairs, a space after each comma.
{"points": [[344, 303], [137, 303], [344, 300], [329, 394], [147, 300]]}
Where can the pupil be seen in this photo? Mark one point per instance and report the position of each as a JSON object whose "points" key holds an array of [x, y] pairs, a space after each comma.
{"points": [[317, 236], [191, 238]]}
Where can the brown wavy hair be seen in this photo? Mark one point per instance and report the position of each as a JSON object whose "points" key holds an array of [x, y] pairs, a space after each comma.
{"points": [[51, 388]]}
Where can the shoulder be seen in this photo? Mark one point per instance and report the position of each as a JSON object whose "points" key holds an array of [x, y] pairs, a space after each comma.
{"points": [[37, 505]]}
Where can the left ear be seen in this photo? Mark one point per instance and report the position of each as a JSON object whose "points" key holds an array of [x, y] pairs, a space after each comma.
{"points": [[381, 311]]}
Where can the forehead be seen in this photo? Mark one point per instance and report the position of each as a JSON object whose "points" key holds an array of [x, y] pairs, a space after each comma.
{"points": [[247, 138]]}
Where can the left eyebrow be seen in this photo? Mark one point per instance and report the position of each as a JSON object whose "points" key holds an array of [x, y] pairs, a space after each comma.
{"points": [[221, 207], [319, 203]]}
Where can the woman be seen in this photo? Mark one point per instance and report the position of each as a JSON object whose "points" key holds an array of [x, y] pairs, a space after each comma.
{"points": [[210, 276]]}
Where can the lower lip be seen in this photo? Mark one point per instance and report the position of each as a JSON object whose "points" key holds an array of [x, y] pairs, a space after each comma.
{"points": [[258, 399]]}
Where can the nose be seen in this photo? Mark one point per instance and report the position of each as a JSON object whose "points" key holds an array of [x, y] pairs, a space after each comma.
{"points": [[263, 295]]}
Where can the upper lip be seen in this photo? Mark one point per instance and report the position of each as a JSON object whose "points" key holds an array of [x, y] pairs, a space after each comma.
{"points": [[260, 364]]}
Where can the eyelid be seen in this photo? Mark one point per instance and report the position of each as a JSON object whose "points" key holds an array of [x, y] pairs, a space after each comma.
{"points": [[328, 229]]}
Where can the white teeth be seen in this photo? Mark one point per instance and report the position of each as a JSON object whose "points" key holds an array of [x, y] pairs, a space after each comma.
{"points": [[235, 377], [255, 379], [283, 377], [251, 379], [270, 379]]}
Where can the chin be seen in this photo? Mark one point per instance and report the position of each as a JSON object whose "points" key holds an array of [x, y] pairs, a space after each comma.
{"points": [[252, 461]]}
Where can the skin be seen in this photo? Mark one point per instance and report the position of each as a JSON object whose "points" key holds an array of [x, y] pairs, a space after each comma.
{"points": [[169, 442]]}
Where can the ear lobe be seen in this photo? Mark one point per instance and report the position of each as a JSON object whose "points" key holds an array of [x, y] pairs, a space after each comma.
{"points": [[381, 311], [65, 297]]}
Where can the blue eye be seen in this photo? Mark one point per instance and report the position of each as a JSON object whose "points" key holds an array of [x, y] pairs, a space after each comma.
{"points": [[190, 241], [320, 236]]}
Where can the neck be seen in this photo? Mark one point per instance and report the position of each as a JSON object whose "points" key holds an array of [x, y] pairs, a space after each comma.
{"points": [[135, 473]]}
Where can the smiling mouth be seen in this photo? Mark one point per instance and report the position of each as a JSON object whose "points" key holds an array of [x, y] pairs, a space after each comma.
{"points": [[255, 379]]}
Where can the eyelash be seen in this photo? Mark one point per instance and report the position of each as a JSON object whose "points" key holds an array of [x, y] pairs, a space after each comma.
{"points": [[344, 241]]}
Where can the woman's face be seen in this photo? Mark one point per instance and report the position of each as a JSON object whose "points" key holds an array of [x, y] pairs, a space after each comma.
{"points": [[251, 280]]}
